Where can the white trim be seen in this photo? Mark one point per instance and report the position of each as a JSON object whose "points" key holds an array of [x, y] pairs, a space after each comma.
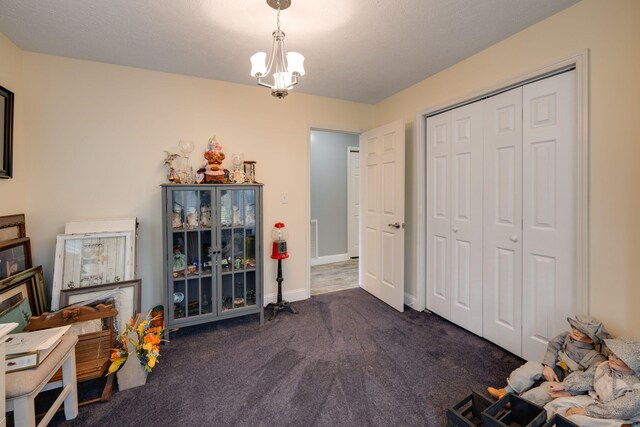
{"points": [[419, 210], [295, 295], [410, 301], [581, 62], [313, 235], [329, 259], [350, 150]]}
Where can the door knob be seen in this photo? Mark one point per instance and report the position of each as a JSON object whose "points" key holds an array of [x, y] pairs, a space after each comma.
{"points": [[396, 225], [455, 229], [514, 238]]}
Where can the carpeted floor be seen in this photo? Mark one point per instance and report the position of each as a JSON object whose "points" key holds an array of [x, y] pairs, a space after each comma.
{"points": [[346, 360]]}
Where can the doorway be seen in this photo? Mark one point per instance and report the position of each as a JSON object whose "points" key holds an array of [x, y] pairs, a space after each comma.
{"points": [[334, 183]]}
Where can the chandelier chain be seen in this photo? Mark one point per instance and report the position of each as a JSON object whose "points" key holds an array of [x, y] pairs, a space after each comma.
{"points": [[278, 15]]}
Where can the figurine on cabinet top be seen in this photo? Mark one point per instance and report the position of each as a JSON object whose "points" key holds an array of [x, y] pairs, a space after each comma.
{"points": [[214, 171], [172, 175]]}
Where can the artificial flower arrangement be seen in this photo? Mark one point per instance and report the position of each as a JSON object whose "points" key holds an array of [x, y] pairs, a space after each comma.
{"points": [[147, 348]]}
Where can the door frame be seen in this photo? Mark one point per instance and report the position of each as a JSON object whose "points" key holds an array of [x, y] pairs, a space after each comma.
{"points": [[580, 61], [324, 128], [350, 149]]}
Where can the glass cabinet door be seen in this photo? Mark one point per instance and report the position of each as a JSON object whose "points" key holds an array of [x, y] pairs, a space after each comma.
{"points": [[192, 268], [238, 248]]}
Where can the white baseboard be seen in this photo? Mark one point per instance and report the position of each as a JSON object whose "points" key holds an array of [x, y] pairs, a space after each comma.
{"points": [[410, 300], [329, 259], [295, 295]]}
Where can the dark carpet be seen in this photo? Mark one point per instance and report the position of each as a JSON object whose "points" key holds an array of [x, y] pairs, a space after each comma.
{"points": [[346, 359]]}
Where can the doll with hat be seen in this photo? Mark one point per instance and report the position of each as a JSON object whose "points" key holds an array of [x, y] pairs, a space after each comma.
{"points": [[606, 395], [571, 351]]}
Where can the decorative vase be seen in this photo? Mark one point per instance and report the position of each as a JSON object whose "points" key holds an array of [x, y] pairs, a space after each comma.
{"points": [[132, 374]]}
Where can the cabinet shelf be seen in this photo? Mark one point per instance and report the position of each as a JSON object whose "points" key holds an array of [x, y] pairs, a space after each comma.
{"points": [[241, 270], [210, 295], [193, 276]]}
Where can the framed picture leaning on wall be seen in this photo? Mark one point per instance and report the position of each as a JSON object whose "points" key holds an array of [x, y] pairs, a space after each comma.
{"points": [[6, 133], [21, 296], [125, 295], [87, 260], [15, 257], [12, 227]]}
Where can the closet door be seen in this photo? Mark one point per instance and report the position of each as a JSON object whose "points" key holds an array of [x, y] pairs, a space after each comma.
{"points": [[454, 215], [549, 210], [466, 216], [438, 214], [502, 266]]}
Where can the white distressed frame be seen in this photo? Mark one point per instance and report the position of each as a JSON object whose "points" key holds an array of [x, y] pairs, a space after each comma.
{"points": [[59, 260], [107, 226]]}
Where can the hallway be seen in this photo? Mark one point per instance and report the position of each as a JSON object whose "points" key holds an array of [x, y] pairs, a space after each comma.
{"points": [[334, 277]]}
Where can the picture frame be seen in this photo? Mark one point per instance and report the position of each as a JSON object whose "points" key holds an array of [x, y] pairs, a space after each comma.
{"points": [[6, 133], [15, 257], [126, 296], [111, 225], [30, 283], [12, 227], [88, 260]]}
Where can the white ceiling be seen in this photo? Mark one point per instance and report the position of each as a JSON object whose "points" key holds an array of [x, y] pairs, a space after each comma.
{"points": [[357, 50]]}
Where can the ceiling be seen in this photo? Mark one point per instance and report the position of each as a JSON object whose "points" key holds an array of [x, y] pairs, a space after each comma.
{"points": [[357, 50]]}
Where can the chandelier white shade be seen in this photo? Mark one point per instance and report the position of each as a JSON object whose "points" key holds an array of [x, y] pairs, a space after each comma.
{"points": [[283, 69]]}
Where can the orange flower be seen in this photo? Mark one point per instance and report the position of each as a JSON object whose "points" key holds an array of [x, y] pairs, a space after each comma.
{"points": [[152, 339]]}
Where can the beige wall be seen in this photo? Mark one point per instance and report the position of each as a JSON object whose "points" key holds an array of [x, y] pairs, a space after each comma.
{"points": [[97, 134], [12, 191], [611, 32]]}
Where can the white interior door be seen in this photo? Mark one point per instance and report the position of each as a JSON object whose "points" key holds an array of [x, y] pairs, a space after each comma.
{"points": [[354, 202], [549, 210], [438, 214], [382, 218], [466, 216], [502, 269]]}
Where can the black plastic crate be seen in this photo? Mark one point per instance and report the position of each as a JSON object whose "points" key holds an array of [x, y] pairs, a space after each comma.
{"points": [[514, 411], [559, 421], [467, 413]]}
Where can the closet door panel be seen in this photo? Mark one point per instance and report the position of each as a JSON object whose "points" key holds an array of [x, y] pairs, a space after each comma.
{"points": [[466, 216], [549, 209], [502, 191], [438, 214]]}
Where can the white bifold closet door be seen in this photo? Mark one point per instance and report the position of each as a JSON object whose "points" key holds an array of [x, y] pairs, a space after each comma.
{"points": [[502, 268], [549, 196], [501, 209], [454, 214]]}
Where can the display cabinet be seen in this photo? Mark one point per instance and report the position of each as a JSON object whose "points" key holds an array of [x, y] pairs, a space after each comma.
{"points": [[212, 252]]}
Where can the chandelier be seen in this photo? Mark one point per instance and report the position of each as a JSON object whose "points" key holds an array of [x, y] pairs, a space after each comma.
{"points": [[285, 72]]}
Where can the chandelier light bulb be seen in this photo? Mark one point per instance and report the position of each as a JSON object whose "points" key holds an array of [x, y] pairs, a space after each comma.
{"points": [[259, 64], [295, 63]]}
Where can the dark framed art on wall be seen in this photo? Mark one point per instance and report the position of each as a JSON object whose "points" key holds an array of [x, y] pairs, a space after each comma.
{"points": [[6, 133]]}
